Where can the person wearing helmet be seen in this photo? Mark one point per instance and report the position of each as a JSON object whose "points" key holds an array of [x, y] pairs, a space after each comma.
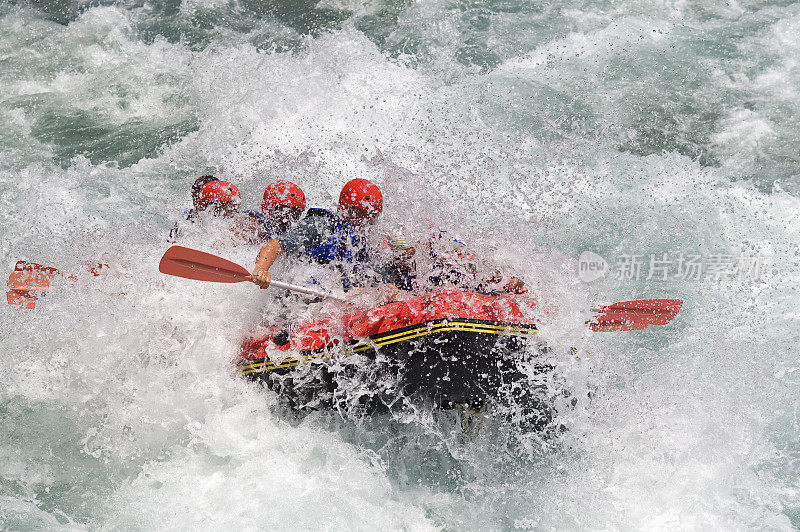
{"points": [[197, 187], [282, 207], [191, 214], [325, 237], [212, 196], [440, 260], [221, 198], [209, 191], [360, 202]]}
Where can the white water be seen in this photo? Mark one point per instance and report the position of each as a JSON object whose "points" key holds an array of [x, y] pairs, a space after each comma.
{"points": [[618, 129]]}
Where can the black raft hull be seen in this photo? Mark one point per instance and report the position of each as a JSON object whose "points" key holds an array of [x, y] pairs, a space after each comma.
{"points": [[445, 362]]}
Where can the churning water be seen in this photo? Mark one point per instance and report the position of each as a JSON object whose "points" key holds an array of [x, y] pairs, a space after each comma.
{"points": [[534, 131]]}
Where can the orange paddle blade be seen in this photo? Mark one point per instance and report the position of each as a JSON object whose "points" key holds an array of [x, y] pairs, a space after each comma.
{"points": [[201, 266], [23, 298], [635, 315], [27, 282]]}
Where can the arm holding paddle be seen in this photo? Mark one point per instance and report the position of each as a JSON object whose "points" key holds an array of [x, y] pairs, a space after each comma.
{"points": [[266, 258], [201, 266]]}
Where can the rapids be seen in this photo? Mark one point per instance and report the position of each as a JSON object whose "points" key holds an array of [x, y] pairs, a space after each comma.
{"points": [[535, 132]]}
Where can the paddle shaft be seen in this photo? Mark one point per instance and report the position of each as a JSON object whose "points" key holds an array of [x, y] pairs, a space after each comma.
{"points": [[303, 290], [201, 266]]}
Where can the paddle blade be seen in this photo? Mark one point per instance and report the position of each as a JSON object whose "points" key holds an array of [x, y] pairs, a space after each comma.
{"points": [[635, 315], [201, 266], [27, 282], [22, 298]]}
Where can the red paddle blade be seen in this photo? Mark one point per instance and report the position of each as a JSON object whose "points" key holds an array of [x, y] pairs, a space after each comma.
{"points": [[23, 298], [27, 282], [201, 266], [635, 315]]}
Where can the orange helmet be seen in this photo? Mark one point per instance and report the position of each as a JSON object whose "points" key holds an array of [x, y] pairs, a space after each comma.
{"points": [[283, 193], [218, 192], [362, 194]]}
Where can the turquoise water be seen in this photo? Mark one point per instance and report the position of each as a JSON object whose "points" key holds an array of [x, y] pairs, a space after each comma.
{"points": [[533, 131]]}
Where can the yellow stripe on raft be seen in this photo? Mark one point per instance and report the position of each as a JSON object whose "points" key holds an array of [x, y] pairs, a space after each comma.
{"points": [[393, 339], [478, 327]]}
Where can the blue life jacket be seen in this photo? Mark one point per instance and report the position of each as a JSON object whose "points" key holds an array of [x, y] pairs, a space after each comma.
{"points": [[345, 245], [188, 215], [254, 214], [267, 232], [442, 273]]}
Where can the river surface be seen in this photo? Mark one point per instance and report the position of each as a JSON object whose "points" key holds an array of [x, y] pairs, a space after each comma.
{"points": [[657, 141]]}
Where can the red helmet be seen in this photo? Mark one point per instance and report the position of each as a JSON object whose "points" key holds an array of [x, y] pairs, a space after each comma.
{"points": [[283, 193], [362, 194], [218, 192]]}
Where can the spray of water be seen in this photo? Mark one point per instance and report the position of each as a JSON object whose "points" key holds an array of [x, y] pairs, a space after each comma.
{"points": [[534, 133]]}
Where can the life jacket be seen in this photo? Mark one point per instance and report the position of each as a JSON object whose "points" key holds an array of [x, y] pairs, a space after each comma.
{"points": [[189, 215], [345, 246], [265, 230], [254, 214], [345, 243], [449, 265]]}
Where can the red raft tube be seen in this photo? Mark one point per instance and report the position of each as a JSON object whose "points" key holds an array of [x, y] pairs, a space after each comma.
{"points": [[451, 348]]}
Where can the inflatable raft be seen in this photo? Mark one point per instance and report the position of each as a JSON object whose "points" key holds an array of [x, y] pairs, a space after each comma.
{"points": [[449, 348]]}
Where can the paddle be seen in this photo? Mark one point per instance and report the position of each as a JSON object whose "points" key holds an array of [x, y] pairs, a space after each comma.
{"points": [[27, 282], [634, 315], [30, 280], [200, 266], [624, 316]]}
